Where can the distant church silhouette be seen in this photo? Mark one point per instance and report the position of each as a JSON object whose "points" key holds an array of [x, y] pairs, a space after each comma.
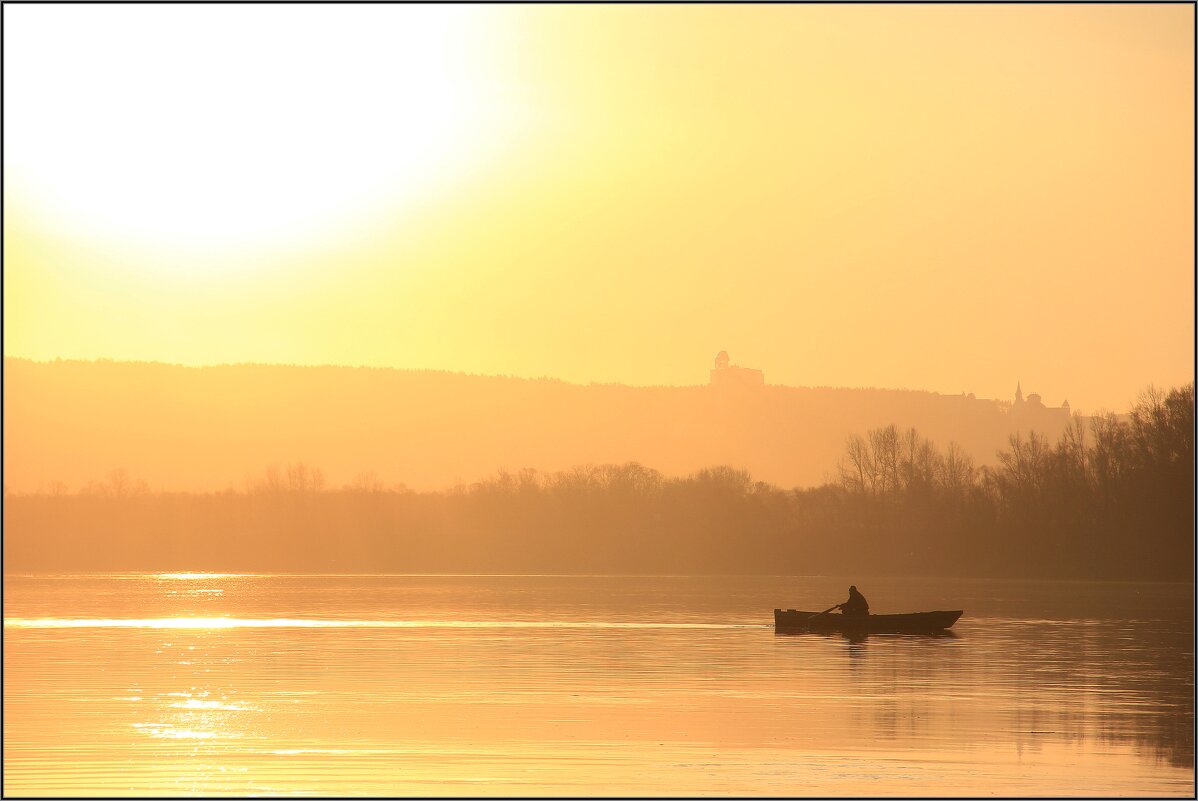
{"points": [[1033, 409], [1023, 412], [725, 374]]}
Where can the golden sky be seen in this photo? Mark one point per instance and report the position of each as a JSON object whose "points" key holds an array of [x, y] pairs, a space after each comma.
{"points": [[951, 198]]}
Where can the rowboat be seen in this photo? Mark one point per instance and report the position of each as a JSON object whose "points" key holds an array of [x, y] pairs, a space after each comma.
{"points": [[793, 621]]}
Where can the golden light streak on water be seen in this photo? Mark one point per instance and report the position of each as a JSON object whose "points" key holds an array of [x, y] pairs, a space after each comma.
{"points": [[577, 686], [274, 623]]}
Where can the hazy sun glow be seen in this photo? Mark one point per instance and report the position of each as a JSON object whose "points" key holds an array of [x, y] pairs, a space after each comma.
{"points": [[947, 199], [207, 130]]}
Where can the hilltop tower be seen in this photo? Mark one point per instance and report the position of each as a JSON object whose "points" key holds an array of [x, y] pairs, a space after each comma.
{"points": [[726, 374], [1032, 411]]}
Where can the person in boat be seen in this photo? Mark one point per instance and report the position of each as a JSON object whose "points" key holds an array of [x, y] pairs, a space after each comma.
{"points": [[856, 605]]}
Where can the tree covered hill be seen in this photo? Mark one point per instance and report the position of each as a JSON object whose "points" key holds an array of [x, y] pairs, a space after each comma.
{"points": [[206, 428]]}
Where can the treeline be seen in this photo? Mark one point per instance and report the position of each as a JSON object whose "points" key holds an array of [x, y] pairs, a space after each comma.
{"points": [[1113, 498]]}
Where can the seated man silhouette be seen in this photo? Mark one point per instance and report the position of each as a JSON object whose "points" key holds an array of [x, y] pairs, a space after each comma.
{"points": [[856, 605]]}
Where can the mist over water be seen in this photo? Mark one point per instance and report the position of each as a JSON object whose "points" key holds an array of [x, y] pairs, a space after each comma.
{"points": [[583, 685]]}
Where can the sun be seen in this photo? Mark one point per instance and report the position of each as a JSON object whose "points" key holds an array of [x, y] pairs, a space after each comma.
{"points": [[234, 126]]}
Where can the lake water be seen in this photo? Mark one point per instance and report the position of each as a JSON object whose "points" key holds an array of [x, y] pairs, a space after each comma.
{"points": [[589, 685]]}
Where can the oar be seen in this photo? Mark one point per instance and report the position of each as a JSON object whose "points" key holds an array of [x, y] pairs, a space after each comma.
{"points": [[826, 611]]}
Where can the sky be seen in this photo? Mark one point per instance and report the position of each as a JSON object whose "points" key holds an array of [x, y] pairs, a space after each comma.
{"points": [[949, 198]]}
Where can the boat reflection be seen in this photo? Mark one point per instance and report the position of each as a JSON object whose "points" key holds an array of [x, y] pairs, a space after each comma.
{"points": [[861, 637]]}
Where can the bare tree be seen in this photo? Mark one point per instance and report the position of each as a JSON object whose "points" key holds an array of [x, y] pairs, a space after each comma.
{"points": [[303, 478], [856, 468], [958, 472]]}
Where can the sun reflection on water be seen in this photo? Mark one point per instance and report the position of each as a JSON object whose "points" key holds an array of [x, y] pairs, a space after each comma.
{"points": [[195, 703], [233, 695], [191, 715], [284, 622]]}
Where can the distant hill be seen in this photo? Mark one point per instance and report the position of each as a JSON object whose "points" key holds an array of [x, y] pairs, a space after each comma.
{"points": [[206, 428]]}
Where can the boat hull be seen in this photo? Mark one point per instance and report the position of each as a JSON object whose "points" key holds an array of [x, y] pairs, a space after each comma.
{"points": [[795, 621]]}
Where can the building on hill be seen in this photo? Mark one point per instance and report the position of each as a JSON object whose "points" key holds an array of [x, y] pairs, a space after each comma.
{"points": [[726, 374], [1033, 413]]}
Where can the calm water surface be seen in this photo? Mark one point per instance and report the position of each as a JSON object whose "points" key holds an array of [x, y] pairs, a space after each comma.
{"points": [[552, 685]]}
